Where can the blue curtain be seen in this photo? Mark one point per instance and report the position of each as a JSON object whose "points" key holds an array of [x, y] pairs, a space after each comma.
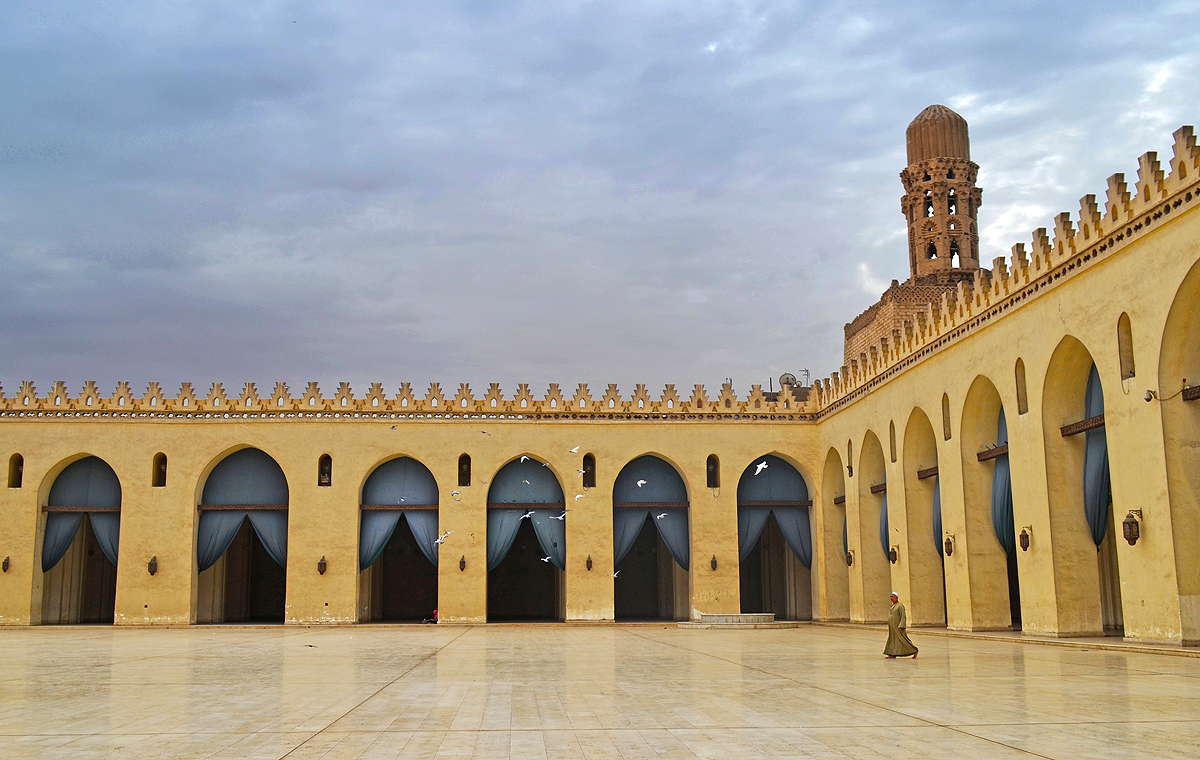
{"points": [[660, 482], [375, 530], [1002, 502], [61, 528], [796, 528], [525, 482], [217, 530], [502, 527], [1096, 495], [779, 481], [751, 522], [107, 527], [424, 526], [271, 526], [88, 482], [400, 481], [883, 525], [552, 535], [627, 525], [247, 476], [937, 516]]}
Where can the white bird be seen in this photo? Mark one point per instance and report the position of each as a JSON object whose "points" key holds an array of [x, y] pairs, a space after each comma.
{"points": [[575, 450], [563, 516], [526, 482], [442, 540], [528, 514], [458, 499], [546, 559], [761, 466], [641, 483], [524, 458], [393, 427], [659, 517], [454, 493], [578, 496], [545, 464], [616, 573], [579, 471]]}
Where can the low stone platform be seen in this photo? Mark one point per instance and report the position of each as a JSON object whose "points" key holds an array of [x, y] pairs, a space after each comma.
{"points": [[738, 622]]}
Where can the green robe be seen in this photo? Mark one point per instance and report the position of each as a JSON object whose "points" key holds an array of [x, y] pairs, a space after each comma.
{"points": [[898, 644]]}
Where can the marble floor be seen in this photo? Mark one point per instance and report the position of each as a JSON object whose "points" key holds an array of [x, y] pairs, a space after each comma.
{"points": [[580, 692]]}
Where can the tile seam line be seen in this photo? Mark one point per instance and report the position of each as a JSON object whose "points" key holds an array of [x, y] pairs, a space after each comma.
{"points": [[375, 693], [845, 696]]}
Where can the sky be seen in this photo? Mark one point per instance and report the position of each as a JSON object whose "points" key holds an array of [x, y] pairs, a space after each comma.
{"points": [[609, 192]]}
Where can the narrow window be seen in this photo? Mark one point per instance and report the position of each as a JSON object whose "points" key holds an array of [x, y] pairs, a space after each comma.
{"points": [[580, 403], [953, 208], [928, 203], [158, 474], [945, 417], [1022, 396], [954, 258], [713, 470], [553, 403], [16, 469], [464, 470], [892, 440], [463, 404], [931, 252], [950, 174], [325, 470], [1125, 346], [728, 404], [493, 403], [589, 471], [375, 401], [312, 401], [433, 402], [343, 400]]}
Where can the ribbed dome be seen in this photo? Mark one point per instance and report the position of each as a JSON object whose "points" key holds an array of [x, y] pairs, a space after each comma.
{"points": [[938, 132]]}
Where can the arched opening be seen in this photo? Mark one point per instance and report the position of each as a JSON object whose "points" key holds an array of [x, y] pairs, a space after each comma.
{"points": [[712, 471], [589, 471], [995, 601], [952, 199], [1180, 416], [871, 558], [1087, 582], [464, 471], [955, 259], [1125, 346], [923, 517], [834, 542], [775, 540], [158, 471], [80, 542], [397, 543], [16, 470], [1022, 393], [241, 542], [651, 542], [931, 251], [929, 204], [526, 543], [325, 471]]}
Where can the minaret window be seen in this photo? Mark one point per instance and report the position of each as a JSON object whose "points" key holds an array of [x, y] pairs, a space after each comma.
{"points": [[932, 252], [950, 174], [953, 203], [928, 203], [954, 258]]}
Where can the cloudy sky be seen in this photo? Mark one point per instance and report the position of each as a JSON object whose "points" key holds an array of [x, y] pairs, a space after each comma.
{"points": [[523, 192]]}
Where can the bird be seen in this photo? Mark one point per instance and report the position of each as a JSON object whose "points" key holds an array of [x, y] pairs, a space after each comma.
{"points": [[545, 464], [528, 514], [526, 482], [401, 498], [563, 516], [616, 573], [485, 432], [454, 493], [546, 559], [458, 499], [393, 427], [761, 466], [578, 496], [579, 471], [442, 540], [575, 450], [524, 458], [641, 483], [659, 517]]}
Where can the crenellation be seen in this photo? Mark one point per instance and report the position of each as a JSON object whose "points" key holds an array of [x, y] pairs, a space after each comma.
{"points": [[554, 399], [669, 400], [1185, 159], [1116, 209], [312, 398], [582, 400], [281, 396], [1090, 220], [435, 399], [1150, 189], [699, 400], [1064, 236]]}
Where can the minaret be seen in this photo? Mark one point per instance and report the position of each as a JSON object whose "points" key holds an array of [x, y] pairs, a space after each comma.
{"points": [[940, 198]]}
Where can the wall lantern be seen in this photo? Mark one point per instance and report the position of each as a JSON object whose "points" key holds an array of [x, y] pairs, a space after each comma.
{"points": [[1131, 526], [713, 563], [462, 563], [322, 565], [151, 566], [4, 564], [589, 562], [849, 559], [948, 545], [893, 554], [1026, 535]]}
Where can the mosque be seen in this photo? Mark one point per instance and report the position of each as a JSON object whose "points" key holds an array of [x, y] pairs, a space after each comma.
{"points": [[1007, 448]]}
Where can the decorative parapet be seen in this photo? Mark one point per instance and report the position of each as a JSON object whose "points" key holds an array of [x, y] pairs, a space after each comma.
{"points": [[1157, 197]]}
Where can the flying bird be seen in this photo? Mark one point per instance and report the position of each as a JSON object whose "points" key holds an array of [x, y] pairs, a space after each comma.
{"points": [[526, 482], [761, 466], [546, 559], [524, 458], [616, 573], [393, 427], [458, 499], [659, 517], [454, 493], [575, 450], [528, 514], [485, 432], [442, 540], [545, 464], [578, 496], [563, 516], [579, 471], [641, 483]]}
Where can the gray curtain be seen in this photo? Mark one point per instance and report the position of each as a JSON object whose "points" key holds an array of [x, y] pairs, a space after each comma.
{"points": [[424, 526], [107, 527], [271, 526], [552, 535], [375, 529], [502, 527], [1097, 497], [61, 528], [883, 525], [845, 535], [88, 482], [796, 528], [1002, 502], [627, 524], [937, 515], [217, 530], [751, 522]]}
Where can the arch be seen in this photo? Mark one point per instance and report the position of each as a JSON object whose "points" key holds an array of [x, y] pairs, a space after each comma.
{"points": [[923, 520], [398, 550], [16, 470], [931, 251], [1087, 588], [1125, 346], [589, 471], [80, 543], [870, 557], [832, 545], [526, 542], [712, 471], [241, 540], [464, 470], [1022, 392], [649, 585], [993, 573], [324, 471], [1179, 365], [158, 471], [775, 539]]}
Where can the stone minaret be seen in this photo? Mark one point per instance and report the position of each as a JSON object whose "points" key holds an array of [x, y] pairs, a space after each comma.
{"points": [[940, 198]]}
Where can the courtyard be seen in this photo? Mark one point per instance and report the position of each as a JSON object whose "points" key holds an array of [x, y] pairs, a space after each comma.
{"points": [[552, 691]]}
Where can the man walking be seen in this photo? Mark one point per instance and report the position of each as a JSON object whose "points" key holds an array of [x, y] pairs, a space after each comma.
{"points": [[898, 644]]}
